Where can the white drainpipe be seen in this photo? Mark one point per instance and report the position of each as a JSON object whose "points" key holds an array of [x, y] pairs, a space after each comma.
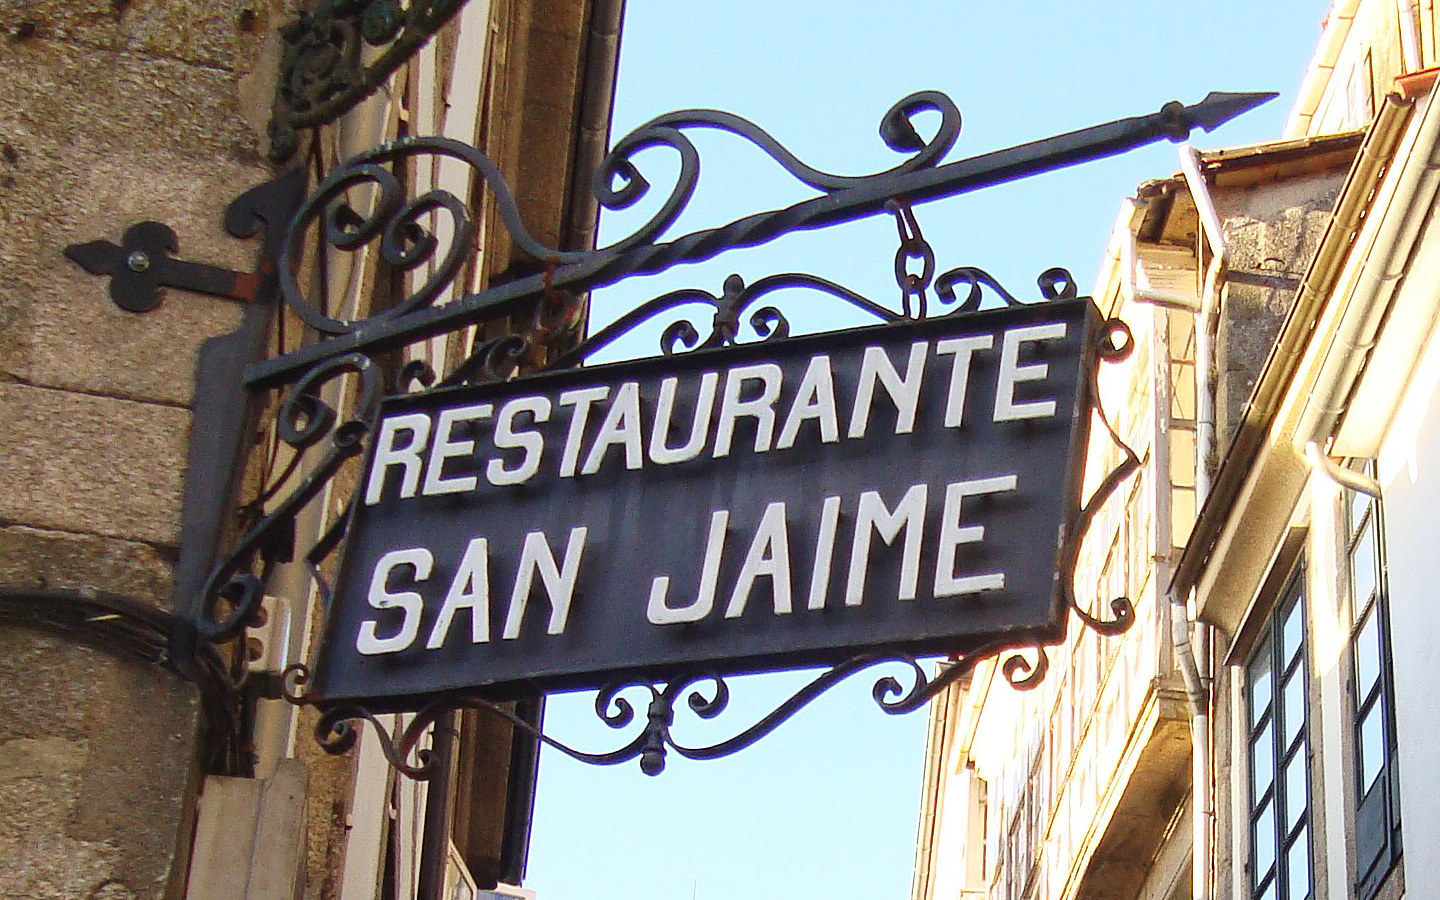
{"points": [[1192, 650], [1346, 478], [1193, 653]]}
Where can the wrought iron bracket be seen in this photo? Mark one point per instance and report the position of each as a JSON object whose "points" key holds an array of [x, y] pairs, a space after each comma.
{"points": [[363, 203], [619, 184], [143, 263], [1121, 607]]}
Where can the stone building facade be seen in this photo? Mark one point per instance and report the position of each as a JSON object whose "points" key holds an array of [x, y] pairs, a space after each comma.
{"points": [[1265, 729], [125, 769]]}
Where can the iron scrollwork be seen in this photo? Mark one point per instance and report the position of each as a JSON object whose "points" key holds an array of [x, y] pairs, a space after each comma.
{"points": [[233, 592], [363, 202], [619, 184], [323, 70], [1121, 607], [705, 695]]}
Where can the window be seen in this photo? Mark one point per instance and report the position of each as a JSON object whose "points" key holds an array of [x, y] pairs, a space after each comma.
{"points": [[1376, 798], [1360, 94], [1277, 696]]}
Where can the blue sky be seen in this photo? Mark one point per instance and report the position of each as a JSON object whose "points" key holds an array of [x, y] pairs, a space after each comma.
{"points": [[826, 807]]}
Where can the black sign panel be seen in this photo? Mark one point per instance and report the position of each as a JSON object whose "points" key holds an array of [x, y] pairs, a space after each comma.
{"points": [[760, 507]]}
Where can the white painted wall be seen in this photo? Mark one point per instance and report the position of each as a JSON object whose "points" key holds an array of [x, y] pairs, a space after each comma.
{"points": [[1410, 476]]}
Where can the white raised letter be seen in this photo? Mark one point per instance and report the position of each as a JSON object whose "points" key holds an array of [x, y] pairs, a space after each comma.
{"points": [[769, 554], [507, 438], [761, 408], [814, 399], [409, 602], [904, 393], [909, 515], [621, 426], [824, 552], [963, 348], [408, 456], [699, 426], [559, 580], [660, 614], [953, 534], [1011, 373], [444, 448], [470, 589], [581, 399]]}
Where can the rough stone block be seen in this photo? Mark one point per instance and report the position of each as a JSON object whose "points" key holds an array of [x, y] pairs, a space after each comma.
{"points": [[42, 862], [134, 790], [94, 22], [94, 763], [214, 33], [58, 326], [29, 757], [81, 463], [129, 104], [33, 557], [1273, 231], [217, 33]]}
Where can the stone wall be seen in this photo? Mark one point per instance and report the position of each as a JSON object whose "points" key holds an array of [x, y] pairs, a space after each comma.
{"points": [[1273, 230], [111, 112]]}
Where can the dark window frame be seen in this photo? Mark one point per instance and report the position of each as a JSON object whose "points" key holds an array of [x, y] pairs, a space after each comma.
{"points": [[1271, 815], [1376, 800]]}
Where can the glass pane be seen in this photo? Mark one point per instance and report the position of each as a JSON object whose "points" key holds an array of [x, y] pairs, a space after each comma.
{"points": [[1182, 457], [1262, 684], [1183, 506], [1372, 747], [1296, 797], [1182, 398], [1292, 713], [1262, 763], [1297, 865], [1359, 505], [1269, 892], [1362, 573], [1292, 633], [1367, 657], [1263, 832]]}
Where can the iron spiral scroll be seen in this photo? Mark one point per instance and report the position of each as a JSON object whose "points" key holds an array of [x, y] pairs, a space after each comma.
{"points": [[360, 202], [705, 696]]}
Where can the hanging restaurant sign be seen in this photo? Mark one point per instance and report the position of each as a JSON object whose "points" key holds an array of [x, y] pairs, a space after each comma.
{"points": [[846, 501], [789, 503]]}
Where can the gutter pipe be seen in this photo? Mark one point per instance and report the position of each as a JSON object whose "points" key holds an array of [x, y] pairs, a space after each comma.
{"points": [[1190, 654], [1418, 182], [1379, 274], [1193, 657], [1346, 478]]}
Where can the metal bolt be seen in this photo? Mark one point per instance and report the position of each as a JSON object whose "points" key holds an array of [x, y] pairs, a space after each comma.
{"points": [[138, 261]]}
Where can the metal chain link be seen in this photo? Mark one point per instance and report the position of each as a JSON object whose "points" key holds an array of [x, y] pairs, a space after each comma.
{"points": [[913, 246]]}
